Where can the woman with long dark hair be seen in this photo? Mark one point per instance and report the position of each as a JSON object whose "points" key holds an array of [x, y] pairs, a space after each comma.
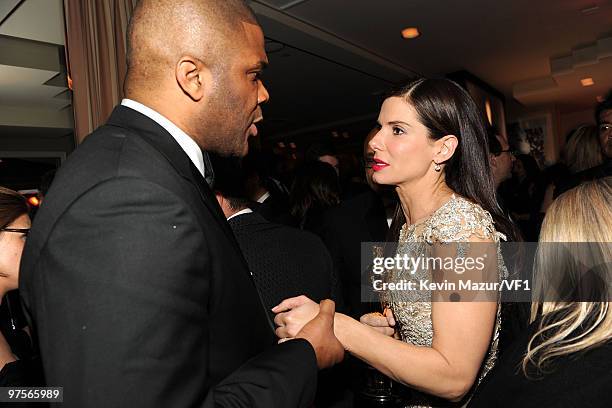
{"points": [[431, 145], [316, 189]]}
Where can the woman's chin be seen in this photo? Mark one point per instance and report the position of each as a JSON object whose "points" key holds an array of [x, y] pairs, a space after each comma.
{"points": [[382, 180]]}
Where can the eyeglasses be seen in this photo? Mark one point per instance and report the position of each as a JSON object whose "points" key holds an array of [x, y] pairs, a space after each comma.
{"points": [[511, 151], [605, 128], [24, 231]]}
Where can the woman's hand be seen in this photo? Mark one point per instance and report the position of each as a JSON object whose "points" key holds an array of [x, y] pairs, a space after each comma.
{"points": [[292, 314], [383, 323]]}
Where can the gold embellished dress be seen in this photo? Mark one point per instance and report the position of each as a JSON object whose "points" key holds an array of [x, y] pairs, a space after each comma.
{"points": [[454, 222]]}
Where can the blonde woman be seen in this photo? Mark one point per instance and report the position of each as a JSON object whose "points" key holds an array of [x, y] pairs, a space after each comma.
{"points": [[565, 358], [583, 157], [583, 151]]}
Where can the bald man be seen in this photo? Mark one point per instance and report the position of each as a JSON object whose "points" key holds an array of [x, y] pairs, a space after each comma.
{"points": [[138, 293]]}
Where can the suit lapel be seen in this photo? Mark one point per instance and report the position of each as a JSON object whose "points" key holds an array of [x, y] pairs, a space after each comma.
{"points": [[163, 141]]}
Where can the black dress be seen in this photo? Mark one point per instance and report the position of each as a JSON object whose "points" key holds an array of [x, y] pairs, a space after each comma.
{"points": [[579, 380]]}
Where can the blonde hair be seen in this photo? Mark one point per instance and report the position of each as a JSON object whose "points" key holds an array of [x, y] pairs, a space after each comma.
{"points": [[566, 326], [583, 150]]}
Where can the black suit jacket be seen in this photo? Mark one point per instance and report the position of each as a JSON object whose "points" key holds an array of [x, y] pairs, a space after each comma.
{"points": [[138, 291], [285, 261]]}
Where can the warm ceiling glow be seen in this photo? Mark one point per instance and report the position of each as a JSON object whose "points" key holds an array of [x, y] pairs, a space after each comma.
{"points": [[410, 32], [488, 111], [587, 81], [34, 201]]}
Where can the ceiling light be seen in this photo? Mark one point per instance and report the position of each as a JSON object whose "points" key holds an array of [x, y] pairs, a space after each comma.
{"points": [[587, 81], [590, 10], [489, 112], [410, 33]]}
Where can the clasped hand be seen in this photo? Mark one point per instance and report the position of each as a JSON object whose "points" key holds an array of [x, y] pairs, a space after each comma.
{"points": [[293, 313]]}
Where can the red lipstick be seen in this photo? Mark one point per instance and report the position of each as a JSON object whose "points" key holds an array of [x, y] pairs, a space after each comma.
{"points": [[379, 165]]}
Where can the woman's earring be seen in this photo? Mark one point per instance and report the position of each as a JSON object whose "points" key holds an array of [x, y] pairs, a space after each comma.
{"points": [[437, 167]]}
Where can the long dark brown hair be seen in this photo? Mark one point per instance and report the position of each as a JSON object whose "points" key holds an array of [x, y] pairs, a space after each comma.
{"points": [[316, 186], [445, 108], [12, 206]]}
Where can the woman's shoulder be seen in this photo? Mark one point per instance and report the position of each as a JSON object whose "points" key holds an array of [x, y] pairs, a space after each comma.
{"points": [[461, 220]]}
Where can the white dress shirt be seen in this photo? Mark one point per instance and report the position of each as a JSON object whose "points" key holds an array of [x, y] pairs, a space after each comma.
{"points": [[190, 147], [245, 211], [263, 197]]}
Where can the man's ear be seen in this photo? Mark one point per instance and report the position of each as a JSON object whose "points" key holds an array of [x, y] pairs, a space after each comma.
{"points": [[445, 148], [193, 76], [219, 198]]}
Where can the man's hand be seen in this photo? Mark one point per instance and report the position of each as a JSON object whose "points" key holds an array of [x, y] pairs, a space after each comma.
{"points": [[320, 334]]}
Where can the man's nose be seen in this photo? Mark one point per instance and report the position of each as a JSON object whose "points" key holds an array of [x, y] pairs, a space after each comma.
{"points": [[262, 95]]}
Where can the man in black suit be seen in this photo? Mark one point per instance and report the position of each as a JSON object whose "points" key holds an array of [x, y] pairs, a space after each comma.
{"points": [[268, 196], [284, 261], [135, 285]]}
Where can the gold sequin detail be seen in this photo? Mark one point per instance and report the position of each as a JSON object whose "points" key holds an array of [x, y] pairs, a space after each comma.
{"points": [[454, 222]]}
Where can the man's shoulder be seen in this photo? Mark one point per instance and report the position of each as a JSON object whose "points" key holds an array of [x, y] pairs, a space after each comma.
{"points": [[256, 225], [109, 152]]}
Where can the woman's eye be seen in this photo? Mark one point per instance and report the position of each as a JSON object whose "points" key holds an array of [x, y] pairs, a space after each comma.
{"points": [[397, 130]]}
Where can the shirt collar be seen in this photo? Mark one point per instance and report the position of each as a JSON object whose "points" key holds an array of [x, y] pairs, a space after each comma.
{"points": [[245, 211], [263, 197], [199, 159]]}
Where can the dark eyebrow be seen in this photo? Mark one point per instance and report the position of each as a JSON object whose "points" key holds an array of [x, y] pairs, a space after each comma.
{"points": [[261, 65], [398, 122]]}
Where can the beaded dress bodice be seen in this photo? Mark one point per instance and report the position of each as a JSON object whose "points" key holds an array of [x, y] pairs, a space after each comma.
{"points": [[454, 222]]}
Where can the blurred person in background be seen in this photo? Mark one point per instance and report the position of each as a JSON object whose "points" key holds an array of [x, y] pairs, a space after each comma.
{"points": [[18, 368], [501, 158], [582, 153], [315, 190], [603, 117], [324, 153], [564, 359], [523, 197], [268, 195]]}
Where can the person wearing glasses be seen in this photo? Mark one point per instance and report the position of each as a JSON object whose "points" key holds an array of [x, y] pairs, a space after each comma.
{"points": [[603, 116], [14, 227], [500, 156]]}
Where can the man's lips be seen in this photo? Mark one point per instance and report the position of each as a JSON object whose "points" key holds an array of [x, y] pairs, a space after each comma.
{"points": [[379, 165], [252, 130]]}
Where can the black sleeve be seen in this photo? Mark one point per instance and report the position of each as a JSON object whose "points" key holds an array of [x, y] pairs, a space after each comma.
{"points": [[120, 295], [283, 377]]}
